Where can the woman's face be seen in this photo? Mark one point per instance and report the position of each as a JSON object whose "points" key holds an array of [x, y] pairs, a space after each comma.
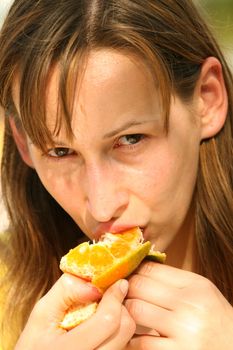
{"points": [[122, 169]]}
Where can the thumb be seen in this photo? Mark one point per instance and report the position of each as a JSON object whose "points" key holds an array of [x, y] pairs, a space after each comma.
{"points": [[105, 321], [68, 291]]}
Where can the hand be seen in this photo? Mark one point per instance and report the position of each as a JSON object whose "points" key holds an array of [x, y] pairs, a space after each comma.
{"points": [[185, 309], [110, 328]]}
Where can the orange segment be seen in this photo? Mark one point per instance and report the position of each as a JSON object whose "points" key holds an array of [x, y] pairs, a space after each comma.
{"points": [[131, 236], [100, 258], [122, 267], [119, 248], [80, 254], [76, 261]]}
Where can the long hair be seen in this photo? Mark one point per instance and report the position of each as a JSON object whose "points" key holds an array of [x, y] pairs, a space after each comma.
{"points": [[174, 40]]}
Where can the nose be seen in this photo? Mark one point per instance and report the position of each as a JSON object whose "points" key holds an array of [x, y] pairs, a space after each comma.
{"points": [[106, 196]]}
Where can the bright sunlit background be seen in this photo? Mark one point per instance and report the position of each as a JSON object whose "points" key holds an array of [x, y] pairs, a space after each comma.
{"points": [[4, 5], [219, 14]]}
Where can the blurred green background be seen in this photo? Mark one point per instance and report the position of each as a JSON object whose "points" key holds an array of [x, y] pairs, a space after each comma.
{"points": [[219, 12], [220, 17]]}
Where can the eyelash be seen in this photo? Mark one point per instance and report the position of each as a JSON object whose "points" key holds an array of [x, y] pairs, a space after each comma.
{"points": [[138, 137], [58, 157]]}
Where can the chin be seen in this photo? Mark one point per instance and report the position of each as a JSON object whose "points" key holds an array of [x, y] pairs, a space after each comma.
{"points": [[160, 239]]}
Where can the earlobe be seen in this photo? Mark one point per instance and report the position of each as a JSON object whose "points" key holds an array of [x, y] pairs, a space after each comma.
{"points": [[21, 142], [212, 95]]}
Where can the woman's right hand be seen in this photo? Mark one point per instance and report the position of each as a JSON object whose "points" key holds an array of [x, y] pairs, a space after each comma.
{"points": [[110, 328]]}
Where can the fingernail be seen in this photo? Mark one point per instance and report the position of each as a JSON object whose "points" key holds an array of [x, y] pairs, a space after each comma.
{"points": [[124, 285]]}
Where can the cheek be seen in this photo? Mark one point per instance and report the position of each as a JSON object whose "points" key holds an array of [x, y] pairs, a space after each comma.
{"points": [[153, 176], [167, 179], [59, 182]]}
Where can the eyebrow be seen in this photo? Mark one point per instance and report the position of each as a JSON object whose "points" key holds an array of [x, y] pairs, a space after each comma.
{"points": [[125, 127], [112, 133]]}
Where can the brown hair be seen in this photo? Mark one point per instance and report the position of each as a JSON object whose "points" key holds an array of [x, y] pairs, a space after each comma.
{"points": [[174, 40]]}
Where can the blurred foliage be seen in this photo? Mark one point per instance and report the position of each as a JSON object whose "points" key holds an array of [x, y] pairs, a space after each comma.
{"points": [[220, 13]]}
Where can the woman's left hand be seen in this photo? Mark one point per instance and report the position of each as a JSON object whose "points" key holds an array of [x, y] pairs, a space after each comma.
{"points": [[186, 310]]}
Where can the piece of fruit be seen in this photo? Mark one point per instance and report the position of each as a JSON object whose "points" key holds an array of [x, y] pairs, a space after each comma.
{"points": [[113, 257], [79, 314], [155, 255]]}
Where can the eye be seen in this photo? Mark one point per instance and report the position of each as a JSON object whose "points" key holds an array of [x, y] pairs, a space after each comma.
{"points": [[60, 152], [129, 140]]}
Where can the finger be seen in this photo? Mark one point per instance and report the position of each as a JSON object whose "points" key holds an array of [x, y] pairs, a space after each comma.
{"points": [[151, 316], [120, 339], [152, 291], [105, 322], [66, 292], [169, 275], [149, 342]]}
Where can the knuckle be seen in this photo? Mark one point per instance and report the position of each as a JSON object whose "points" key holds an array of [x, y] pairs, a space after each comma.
{"points": [[147, 267], [207, 284], [143, 343], [110, 321], [69, 291], [128, 323], [206, 287], [205, 291], [135, 308], [64, 281], [135, 282]]}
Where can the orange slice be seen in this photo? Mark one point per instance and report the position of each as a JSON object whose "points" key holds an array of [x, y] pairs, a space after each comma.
{"points": [[113, 257]]}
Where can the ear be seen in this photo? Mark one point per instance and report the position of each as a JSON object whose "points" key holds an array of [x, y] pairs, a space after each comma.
{"points": [[20, 139], [212, 98]]}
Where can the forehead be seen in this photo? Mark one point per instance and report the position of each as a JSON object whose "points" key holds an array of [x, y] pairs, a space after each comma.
{"points": [[106, 68], [109, 82]]}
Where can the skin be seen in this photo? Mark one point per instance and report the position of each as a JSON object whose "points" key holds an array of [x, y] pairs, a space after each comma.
{"points": [[122, 170]]}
